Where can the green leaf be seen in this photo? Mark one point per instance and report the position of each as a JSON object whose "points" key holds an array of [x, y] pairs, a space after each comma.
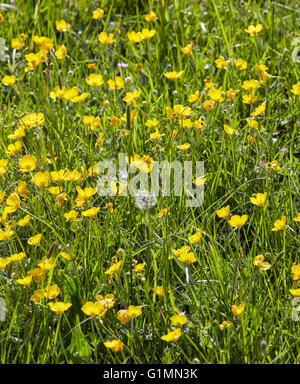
{"points": [[79, 345]]}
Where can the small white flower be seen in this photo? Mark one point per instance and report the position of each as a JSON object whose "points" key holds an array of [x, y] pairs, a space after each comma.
{"points": [[145, 200]]}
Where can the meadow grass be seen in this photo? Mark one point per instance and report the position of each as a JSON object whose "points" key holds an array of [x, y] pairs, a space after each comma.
{"points": [[238, 164]]}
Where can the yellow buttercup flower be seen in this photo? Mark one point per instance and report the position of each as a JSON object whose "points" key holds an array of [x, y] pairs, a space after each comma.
{"points": [[61, 52], [84, 195], [131, 97], [237, 221], [297, 218], [224, 212], [65, 256], [16, 257], [222, 63], [9, 80], [92, 66], [92, 122], [116, 83], [194, 97], [2, 195], [173, 75], [18, 43], [115, 121], [259, 199], [249, 99], [98, 14], [25, 221], [260, 67], [93, 309], [139, 267], [172, 336], [152, 123], [163, 212], [35, 240], [4, 262], [45, 44], [254, 30], [110, 207], [296, 271], [241, 64], [216, 95], [37, 295], [14, 149], [231, 93], [296, 89], [99, 142], [253, 124], [21, 189], [133, 311], [184, 147], [13, 203], [186, 123], [147, 34], [114, 268], [52, 291], [150, 17], [114, 345], [71, 216], [123, 317], [187, 258], [81, 98], [156, 135], [94, 80], [135, 37], [62, 26], [42, 179], [225, 325], [3, 166], [265, 76], [55, 190], [27, 163], [259, 262], [35, 59], [250, 85], [229, 130], [260, 110], [187, 50], [37, 274], [32, 120], [59, 307], [208, 105], [92, 212], [18, 134], [178, 111], [178, 320], [279, 225], [199, 124], [273, 166], [26, 281], [196, 238], [6, 234], [106, 39], [46, 264], [237, 310], [71, 93], [108, 301], [158, 290], [295, 292]]}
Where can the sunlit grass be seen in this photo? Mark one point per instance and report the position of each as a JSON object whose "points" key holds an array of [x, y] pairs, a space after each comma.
{"points": [[239, 308]]}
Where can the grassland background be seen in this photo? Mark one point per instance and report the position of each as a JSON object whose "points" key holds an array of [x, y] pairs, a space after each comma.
{"points": [[266, 332]]}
